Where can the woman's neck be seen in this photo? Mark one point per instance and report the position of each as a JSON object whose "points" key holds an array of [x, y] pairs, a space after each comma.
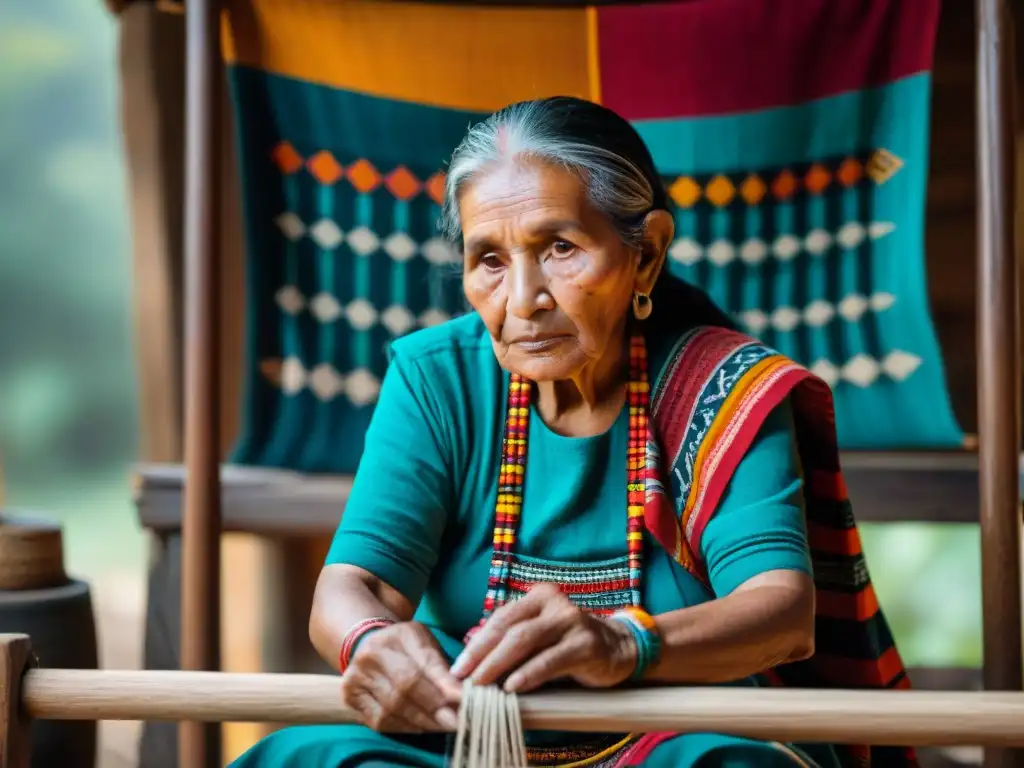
{"points": [[589, 402]]}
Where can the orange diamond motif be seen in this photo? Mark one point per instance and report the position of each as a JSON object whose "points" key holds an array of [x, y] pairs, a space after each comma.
{"points": [[435, 187], [685, 191], [363, 176], [784, 186], [324, 167], [720, 191], [753, 190], [817, 179], [286, 158], [402, 184], [850, 172], [883, 165]]}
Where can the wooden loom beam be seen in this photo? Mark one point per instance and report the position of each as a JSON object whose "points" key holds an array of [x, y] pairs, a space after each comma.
{"points": [[878, 717], [199, 743], [998, 360]]}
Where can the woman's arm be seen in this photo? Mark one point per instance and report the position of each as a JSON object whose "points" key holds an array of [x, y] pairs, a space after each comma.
{"points": [[380, 561], [344, 596], [758, 562], [389, 538], [767, 621]]}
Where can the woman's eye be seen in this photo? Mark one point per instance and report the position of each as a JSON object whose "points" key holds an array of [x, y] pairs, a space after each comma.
{"points": [[563, 248], [490, 261]]}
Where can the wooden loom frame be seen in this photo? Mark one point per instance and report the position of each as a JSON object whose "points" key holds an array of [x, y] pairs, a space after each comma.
{"points": [[998, 422]]}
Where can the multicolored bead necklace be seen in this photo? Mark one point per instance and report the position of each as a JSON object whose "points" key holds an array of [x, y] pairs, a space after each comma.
{"points": [[509, 505]]}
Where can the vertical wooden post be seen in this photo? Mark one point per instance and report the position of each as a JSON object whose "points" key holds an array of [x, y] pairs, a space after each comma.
{"points": [[15, 740], [998, 361], [199, 744]]}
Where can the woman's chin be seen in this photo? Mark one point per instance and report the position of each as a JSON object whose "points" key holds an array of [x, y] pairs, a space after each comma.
{"points": [[543, 367]]}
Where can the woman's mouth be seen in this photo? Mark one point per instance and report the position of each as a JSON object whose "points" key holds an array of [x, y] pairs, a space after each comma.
{"points": [[540, 343]]}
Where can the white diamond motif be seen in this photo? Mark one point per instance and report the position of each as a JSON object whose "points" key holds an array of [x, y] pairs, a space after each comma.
{"points": [[786, 247], [439, 252], [326, 382], [326, 234], [861, 370], [818, 241], [882, 301], [293, 376], [899, 364], [754, 251], [399, 246], [397, 319], [289, 299], [361, 387], [291, 225], [361, 314], [433, 317], [686, 251], [325, 307], [363, 241], [879, 229], [785, 319], [721, 253], [851, 234], [818, 312], [853, 307], [826, 371]]}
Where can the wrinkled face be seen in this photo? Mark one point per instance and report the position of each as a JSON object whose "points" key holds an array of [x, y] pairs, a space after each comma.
{"points": [[546, 271]]}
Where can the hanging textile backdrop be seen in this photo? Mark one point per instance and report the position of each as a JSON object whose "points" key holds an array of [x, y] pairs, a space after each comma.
{"points": [[791, 134]]}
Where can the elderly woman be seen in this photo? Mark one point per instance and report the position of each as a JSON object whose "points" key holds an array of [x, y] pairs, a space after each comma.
{"points": [[590, 479]]}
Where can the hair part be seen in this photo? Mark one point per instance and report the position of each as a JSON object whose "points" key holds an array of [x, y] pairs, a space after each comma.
{"points": [[593, 142]]}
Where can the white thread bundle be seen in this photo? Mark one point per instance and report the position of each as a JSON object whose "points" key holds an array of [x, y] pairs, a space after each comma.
{"points": [[490, 731]]}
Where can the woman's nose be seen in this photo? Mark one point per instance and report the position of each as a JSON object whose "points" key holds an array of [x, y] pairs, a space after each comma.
{"points": [[527, 288]]}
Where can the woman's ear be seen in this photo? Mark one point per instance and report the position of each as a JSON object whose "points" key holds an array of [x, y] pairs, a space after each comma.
{"points": [[659, 229]]}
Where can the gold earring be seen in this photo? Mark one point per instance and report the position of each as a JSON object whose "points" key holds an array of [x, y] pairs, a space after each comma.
{"points": [[642, 305]]}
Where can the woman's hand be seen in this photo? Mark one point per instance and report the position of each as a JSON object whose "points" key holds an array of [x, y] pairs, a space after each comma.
{"points": [[543, 637], [399, 681]]}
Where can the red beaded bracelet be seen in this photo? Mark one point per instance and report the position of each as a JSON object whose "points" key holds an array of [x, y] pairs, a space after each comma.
{"points": [[357, 633]]}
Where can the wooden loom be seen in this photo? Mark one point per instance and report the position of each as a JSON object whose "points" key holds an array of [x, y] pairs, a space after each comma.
{"points": [[995, 473]]}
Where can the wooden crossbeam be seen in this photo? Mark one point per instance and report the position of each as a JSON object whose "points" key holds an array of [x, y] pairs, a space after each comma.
{"points": [[923, 718]]}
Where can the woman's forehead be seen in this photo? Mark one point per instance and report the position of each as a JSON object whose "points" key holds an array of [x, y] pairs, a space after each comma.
{"points": [[536, 195]]}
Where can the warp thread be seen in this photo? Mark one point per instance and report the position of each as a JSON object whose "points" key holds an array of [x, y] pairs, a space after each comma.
{"points": [[490, 733]]}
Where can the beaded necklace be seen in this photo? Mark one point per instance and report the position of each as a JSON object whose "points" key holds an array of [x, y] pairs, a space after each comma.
{"points": [[509, 505]]}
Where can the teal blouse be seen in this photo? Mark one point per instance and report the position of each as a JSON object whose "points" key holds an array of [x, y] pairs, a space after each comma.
{"points": [[421, 512], [421, 515]]}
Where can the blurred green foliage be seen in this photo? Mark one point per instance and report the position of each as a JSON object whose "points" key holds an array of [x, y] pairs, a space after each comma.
{"points": [[67, 388]]}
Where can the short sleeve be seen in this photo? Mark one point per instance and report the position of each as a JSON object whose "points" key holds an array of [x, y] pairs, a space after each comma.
{"points": [[759, 525], [397, 511]]}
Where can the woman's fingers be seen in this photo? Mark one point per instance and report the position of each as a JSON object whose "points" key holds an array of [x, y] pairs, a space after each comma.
{"points": [[404, 673], [518, 644], [550, 664], [415, 701], [449, 690], [506, 617], [381, 718]]}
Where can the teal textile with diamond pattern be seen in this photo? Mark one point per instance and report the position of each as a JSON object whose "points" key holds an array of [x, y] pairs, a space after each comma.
{"points": [[799, 209]]}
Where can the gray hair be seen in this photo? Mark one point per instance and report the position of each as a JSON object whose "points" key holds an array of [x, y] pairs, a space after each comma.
{"points": [[567, 133]]}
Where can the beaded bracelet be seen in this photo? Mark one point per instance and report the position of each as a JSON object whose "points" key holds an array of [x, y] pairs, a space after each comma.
{"points": [[645, 633], [359, 631]]}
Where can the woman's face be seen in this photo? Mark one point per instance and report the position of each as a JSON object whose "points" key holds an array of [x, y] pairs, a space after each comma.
{"points": [[546, 271]]}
